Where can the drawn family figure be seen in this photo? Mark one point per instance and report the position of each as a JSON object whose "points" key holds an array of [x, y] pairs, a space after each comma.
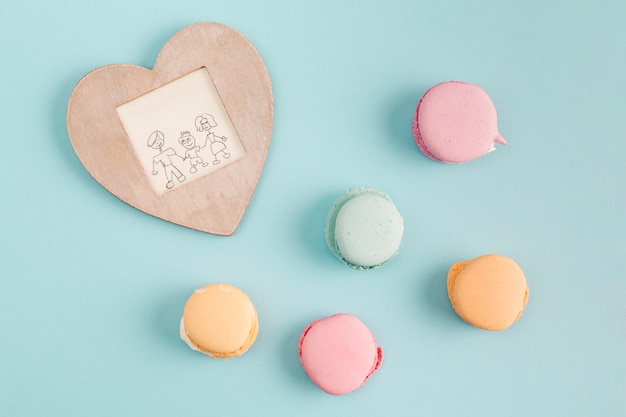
{"points": [[156, 140], [191, 151], [205, 122]]}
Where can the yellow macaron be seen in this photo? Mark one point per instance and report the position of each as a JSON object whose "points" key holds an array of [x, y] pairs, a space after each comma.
{"points": [[219, 320], [488, 292]]}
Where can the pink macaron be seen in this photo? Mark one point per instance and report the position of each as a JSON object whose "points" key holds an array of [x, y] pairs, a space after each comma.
{"points": [[339, 353], [456, 122]]}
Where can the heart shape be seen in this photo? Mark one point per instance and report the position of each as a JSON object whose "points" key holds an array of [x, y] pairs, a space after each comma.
{"points": [[114, 119]]}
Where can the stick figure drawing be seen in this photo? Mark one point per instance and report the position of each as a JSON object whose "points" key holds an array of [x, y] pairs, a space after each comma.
{"points": [[156, 140], [191, 151], [205, 122]]}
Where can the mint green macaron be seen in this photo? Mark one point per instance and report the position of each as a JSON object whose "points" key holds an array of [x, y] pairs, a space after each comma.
{"points": [[364, 228]]}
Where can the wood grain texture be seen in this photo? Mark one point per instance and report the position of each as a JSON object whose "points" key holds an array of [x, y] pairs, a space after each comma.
{"points": [[216, 202]]}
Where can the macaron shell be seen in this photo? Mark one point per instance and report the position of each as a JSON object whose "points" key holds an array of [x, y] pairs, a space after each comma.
{"points": [[339, 353], [417, 134], [488, 292], [456, 122], [219, 320], [364, 228]]}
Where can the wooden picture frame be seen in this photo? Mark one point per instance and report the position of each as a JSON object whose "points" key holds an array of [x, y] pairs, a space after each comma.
{"points": [[212, 203]]}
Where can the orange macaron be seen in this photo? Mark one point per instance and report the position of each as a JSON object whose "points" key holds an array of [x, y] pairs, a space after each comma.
{"points": [[488, 292], [220, 321]]}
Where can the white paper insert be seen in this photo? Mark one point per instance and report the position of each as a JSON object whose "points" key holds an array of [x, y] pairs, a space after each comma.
{"points": [[181, 131]]}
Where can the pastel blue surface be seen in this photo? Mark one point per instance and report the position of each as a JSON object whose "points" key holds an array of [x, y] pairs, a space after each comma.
{"points": [[92, 290]]}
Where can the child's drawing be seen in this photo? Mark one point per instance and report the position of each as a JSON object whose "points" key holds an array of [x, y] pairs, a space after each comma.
{"points": [[166, 116], [191, 151], [206, 122], [156, 140]]}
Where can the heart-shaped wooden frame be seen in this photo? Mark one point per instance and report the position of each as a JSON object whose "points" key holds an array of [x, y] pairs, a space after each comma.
{"points": [[214, 203]]}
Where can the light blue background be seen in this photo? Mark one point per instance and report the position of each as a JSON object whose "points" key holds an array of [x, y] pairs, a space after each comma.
{"points": [[92, 290]]}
